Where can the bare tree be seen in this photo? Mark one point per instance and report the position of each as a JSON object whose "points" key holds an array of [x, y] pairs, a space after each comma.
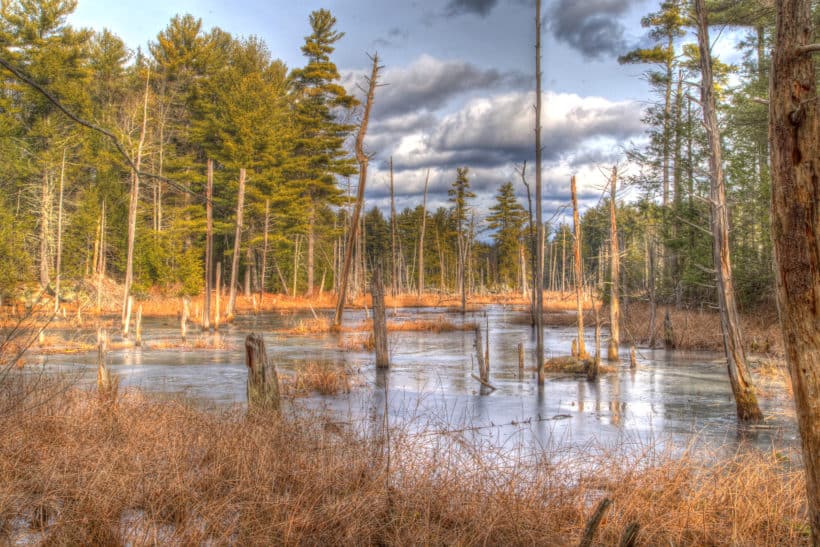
{"points": [[539, 259], [579, 270], [615, 274], [421, 235], [363, 160], [209, 246], [794, 134], [237, 242], [742, 386]]}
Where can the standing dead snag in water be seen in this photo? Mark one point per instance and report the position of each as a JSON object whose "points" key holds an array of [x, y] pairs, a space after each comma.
{"points": [[539, 227], [263, 382], [379, 319], [794, 133], [742, 386], [240, 211], [363, 160], [615, 274], [579, 271]]}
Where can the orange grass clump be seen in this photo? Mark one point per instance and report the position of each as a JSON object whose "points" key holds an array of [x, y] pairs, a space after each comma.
{"points": [[75, 471]]}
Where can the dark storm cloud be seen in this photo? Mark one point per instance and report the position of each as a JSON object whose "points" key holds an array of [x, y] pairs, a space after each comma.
{"points": [[477, 7], [429, 83], [590, 26]]}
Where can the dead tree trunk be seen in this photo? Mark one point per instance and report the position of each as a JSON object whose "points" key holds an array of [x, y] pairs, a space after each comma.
{"points": [[218, 295], [420, 288], [539, 226], [57, 266], [615, 274], [209, 246], [742, 386], [579, 270], [134, 201], [394, 258], [240, 211], [45, 213], [363, 160], [794, 134], [379, 319], [263, 382], [264, 272]]}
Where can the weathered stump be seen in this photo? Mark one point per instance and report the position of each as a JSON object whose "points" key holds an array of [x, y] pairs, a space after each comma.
{"points": [[633, 359], [379, 319], [263, 382], [520, 359], [138, 327]]}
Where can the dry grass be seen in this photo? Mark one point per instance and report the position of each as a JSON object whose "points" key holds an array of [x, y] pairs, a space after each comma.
{"points": [[358, 342], [696, 330], [438, 325], [319, 325], [323, 378], [147, 472]]}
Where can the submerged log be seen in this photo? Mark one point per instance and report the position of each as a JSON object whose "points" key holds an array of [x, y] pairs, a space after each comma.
{"points": [[263, 382]]}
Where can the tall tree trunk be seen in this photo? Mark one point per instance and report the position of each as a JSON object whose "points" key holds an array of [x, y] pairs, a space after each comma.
{"points": [[58, 265], [363, 160], [394, 258], [420, 288], [134, 202], [45, 209], [794, 134], [579, 271], [209, 246], [263, 275], [539, 226], [742, 387], [311, 244], [615, 274], [237, 242]]}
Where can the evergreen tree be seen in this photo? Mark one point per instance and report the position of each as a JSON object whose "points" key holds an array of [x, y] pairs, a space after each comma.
{"points": [[507, 218], [320, 104]]}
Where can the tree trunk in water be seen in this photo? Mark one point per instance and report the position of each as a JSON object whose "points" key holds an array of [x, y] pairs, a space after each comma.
{"points": [[615, 274], [420, 288], [539, 223], [218, 297], [240, 211], [379, 319], [742, 387], [794, 134], [133, 203], [579, 271], [263, 382], [311, 244], [394, 258], [209, 246], [362, 158]]}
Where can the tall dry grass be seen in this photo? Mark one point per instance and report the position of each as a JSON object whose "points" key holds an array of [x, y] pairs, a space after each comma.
{"points": [[76, 471]]}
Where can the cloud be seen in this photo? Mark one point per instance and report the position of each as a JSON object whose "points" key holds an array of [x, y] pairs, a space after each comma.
{"points": [[476, 7], [590, 26], [494, 131], [429, 84]]}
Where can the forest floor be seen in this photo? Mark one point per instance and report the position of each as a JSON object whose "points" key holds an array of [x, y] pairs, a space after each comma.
{"points": [[79, 469]]}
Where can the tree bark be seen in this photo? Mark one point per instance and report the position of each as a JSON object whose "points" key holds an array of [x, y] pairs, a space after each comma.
{"points": [[209, 246], [58, 265], [240, 211], [363, 160], [615, 274], [45, 209], [579, 271], [379, 319], [742, 386], [263, 382], [539, 226], [794, 134], [218, 296]]}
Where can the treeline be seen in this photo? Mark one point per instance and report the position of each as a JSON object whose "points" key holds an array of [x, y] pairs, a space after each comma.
{"points": [[278, 141]]}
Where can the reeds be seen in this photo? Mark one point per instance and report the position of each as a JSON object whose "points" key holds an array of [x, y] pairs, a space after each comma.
{"points": [[147, 472]]}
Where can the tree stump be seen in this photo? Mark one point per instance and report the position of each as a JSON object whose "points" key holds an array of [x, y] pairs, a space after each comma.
{"points": [[263, 382], [379, 320]]}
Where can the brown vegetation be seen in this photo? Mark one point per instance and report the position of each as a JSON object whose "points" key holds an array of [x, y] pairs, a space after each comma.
{"points": [[147, 472]]}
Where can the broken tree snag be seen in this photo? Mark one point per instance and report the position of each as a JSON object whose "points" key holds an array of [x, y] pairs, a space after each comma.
{"points": [[183, 320], [539, 220], [739, 375], [363, 161], [615, 274], [209, 245], [379, 319], [520, 359], [420, 288], [579, 270], [633, 358], [263, 382], [106, 384], [592, 372], [138, 327], [794, 134], [217, 297]]}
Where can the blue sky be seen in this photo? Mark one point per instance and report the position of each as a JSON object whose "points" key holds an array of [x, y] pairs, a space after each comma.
{"points": [[461, 81]]}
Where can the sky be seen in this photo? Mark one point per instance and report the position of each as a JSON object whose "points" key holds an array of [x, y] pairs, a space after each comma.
{"points": [[460, 83]]}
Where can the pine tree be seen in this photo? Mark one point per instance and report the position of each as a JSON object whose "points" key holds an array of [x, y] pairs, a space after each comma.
{"points": [[320, 103], [508, 218], [459, 193]]}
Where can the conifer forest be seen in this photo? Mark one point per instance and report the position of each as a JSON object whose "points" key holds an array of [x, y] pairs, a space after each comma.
{"points": [[462, 272]]}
